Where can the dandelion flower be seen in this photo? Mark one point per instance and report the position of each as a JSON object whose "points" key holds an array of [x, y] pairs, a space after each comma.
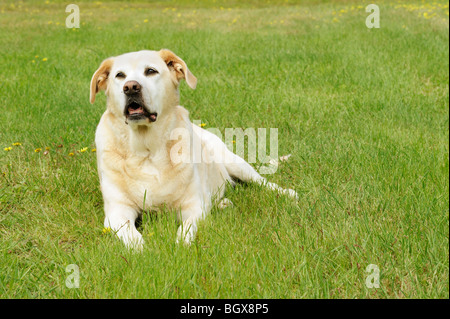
{"points": [[17, 144], [94, 150], [71, 154], [47, 148], [37, 150], [202, 125], [44, 59], [7, 148], [106, 230], [84, 149], [146, 20]]}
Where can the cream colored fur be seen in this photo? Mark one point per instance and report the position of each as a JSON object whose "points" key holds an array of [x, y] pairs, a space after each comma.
{"points": [[136, 160]]}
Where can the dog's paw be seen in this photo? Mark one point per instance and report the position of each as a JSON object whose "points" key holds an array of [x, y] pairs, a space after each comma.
{"points": [[224, 203], [137, 244], [186, 233], [131, 238]]}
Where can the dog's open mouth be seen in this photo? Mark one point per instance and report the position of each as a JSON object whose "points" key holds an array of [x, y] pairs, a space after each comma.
{"points": [[137, 111]]}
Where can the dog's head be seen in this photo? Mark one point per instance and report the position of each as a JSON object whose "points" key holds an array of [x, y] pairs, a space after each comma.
{"points": [[140, 85]]}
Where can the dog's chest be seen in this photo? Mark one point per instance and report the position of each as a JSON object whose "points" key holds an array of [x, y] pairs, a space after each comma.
{"points": [[152, 180]]}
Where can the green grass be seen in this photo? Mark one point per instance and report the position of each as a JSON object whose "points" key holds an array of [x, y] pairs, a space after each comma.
{"points": [[364, 113]]}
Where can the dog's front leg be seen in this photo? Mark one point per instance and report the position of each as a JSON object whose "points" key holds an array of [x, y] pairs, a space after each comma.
{"points": [[191, 213], [121, 219]]}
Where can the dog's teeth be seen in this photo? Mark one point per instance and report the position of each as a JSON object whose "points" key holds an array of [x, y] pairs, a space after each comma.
{"points": [[134, 111]]}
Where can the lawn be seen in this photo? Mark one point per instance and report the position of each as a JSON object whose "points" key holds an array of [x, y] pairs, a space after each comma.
{"points": [[363, 112]]}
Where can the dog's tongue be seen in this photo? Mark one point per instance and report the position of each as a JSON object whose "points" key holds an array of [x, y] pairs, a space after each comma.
{"points": [[132, 111]]}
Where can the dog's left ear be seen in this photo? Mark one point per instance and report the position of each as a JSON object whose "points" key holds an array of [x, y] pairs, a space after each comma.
{"points": [[179, 67], [98, 81]]}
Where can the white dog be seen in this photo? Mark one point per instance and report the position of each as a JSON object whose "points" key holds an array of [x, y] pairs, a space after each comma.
{"points": [[141, 160]]}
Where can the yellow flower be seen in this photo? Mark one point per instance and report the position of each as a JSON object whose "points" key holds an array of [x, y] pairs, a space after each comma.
{"points": [[36, 56], [145, 20], [202, 125], [47, 148], [37, 150], [32, 61], [71, 154], [94, 150], [106, 230], [7, 149], [84, 149], [44, 59], [17, 144], [234, 142]]}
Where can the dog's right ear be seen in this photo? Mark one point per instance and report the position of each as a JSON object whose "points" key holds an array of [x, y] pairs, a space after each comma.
{"points": [[98, 81]]}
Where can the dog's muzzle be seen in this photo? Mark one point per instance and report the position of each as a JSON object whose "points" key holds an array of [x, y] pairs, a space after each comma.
{"points": [[135, 108]]}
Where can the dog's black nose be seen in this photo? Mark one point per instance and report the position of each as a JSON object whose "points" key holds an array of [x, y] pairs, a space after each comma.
{"points": [[131, 87]]}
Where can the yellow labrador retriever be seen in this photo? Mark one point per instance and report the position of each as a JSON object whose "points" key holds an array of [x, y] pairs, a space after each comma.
{"points": [[140, 157]]}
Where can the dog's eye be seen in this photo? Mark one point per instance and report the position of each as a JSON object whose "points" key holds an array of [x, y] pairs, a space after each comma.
{"points": [[120, 75], [150, 71]]}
